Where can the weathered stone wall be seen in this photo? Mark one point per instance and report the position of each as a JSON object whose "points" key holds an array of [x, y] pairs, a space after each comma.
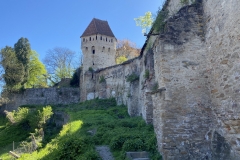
{"points": [[182, 111], [192, 92], [223, 50], [42, 96], [133, 94]]}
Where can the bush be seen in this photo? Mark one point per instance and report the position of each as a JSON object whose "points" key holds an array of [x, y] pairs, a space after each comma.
{"points": [[102, 79], [133, 77], [90, 69], [146, 74], [76, 78], [134, 145]]}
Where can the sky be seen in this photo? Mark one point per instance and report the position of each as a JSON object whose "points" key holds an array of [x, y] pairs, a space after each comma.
{"points": [[60, 23]]}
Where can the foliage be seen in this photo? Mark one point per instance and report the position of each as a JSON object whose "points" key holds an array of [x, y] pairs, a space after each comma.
{"points": [[76, 78], [23, 122], [127, 49], [146, 74], [121, 59], [23, 51], [155, 87], [14, 70], [159, 23], [60, 63], [102, 79], [90, 69], [133, 77], [113, 125], [184, 2], [145, 22], [36, 72], [22, 67]]}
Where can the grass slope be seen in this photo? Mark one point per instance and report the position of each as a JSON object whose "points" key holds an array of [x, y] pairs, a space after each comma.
{"points": [[98, 122]]}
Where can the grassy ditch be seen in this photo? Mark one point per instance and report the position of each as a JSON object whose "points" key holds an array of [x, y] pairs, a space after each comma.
{"points": [[93, 123]]}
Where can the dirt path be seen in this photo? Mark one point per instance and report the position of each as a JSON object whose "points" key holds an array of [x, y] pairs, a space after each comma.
{"points": [[104, 152]]}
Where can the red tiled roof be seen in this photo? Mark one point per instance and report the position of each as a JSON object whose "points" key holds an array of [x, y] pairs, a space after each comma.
{"points": [[98, 26]]}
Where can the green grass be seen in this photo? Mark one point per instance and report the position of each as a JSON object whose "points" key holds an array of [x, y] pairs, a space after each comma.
{"points": [[111, 126]]}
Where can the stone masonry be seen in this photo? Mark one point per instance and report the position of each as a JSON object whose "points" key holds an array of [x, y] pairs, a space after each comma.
{"points": [[191, 94]]}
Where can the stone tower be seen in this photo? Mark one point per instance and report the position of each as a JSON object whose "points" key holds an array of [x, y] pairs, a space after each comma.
{"points": [[98, 45]]}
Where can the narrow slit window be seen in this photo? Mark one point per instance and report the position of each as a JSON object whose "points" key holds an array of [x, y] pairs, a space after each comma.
{"points": [[93, 50], [89, 38], [108, 49], [96, 37], [106, 39], [101, 38]]}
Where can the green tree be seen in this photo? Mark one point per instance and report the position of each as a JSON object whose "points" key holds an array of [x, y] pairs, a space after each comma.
{"points": [[13, 69], [121, 59], [37, 72], [23, 51], [145, 22]]}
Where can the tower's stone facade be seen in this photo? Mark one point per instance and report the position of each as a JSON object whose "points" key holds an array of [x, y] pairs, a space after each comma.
{"points": [[98, 45]]}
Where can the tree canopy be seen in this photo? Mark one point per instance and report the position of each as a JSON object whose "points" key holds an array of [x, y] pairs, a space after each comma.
{"points": [[60, 63], [37, 72], [22, 68], [145, 22]]}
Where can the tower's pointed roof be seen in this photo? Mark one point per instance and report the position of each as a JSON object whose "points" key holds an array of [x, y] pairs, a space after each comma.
{"points": [[98, 26]]}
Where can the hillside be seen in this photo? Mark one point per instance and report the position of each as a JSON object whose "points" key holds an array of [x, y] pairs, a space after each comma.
{"points": [[91, 123]]}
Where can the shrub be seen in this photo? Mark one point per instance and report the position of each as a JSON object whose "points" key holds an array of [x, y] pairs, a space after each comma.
{"points": [[76, 78], [146, 74], [134, 145], [90, 69], [159, 23], [102, 79], [133, 77], [184, 2], [155, 87]]}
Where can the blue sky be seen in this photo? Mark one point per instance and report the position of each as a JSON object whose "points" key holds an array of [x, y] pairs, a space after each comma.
{"points": [[60, 23]]}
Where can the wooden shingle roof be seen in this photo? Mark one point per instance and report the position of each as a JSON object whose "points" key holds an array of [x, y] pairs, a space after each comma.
{"points": [[98, 26]]}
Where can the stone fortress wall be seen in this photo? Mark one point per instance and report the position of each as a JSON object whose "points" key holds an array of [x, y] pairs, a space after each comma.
{"points": [[42, 96], [195, 107]]}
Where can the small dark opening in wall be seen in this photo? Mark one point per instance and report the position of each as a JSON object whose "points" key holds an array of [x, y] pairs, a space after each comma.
{"points": [[93, 63], [92, 75], [106, 39], [83, 39], [101, 38], [111, 40], [89, 38], [96, 37], [93, 50]]}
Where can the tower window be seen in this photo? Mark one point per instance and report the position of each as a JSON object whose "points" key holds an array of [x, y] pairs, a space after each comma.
{"points": [[108, 49], [96, 37], [83, 39], [93, 50], [106, 39], [101, 38], [103, 49], [89, 38], [86, 48], [111, 40], [93, 39]]}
